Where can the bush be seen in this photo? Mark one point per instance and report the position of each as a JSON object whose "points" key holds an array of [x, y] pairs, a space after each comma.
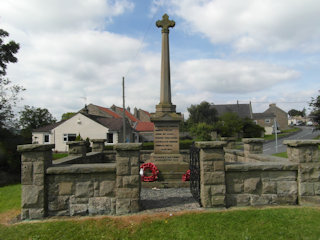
{"points": [[251, 130]]}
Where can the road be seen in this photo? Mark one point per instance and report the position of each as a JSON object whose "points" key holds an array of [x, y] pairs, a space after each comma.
{"points": [[306, 133]]}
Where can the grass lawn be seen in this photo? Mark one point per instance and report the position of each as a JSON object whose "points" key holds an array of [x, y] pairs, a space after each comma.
{"points": [[59, 155], [249, 223], [282, 154], [283, 133]]}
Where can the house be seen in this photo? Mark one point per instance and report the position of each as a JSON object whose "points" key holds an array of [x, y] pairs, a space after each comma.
{"points": [[85, 125], [281, 116], [144, 131], [242, 110], [265, 120]]}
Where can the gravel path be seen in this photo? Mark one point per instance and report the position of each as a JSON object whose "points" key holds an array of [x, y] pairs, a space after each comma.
{"points": [[167, 200]]}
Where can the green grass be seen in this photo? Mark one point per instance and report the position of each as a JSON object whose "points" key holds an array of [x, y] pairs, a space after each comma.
{"points": [[59, 155], [251, 223], [282, 154], [10, 198], [274, 223], [283, 133]]}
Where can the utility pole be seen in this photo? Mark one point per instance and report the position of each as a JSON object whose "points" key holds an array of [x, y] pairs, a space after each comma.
{"points": [[123, 113], [276, 133]]}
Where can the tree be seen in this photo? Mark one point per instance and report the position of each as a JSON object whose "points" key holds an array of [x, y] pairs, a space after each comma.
{"points": [[201, 131], [294, 112], [315, 113], [251, 129], [67, 115], [33, 118], [8, 92], [202, 113], [229, 125]]}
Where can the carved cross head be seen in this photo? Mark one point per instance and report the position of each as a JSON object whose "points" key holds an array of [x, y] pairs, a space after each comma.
{"points": [[165, 23]]}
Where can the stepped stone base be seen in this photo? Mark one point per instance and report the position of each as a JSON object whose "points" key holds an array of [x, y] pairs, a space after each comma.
{"points": [[162, 184]]}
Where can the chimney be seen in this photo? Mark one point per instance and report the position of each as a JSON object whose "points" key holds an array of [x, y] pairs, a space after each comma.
{"points": [[128, 109], [135, 112], [272, 105]]}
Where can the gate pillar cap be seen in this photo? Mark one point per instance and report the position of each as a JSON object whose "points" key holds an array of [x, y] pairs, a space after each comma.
{"points": [[211, 144]]}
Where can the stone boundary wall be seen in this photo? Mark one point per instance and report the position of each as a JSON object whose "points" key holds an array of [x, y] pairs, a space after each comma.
{"points": [[252, 184], [81, 189], [251, 178], [78, 185]]}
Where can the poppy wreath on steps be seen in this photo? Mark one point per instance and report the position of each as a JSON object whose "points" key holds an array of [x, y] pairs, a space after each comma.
{"points": [[186, 176], [151, 167]]}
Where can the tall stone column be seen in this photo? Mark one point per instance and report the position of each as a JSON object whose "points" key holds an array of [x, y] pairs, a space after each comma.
{"points": [[165, 104], [35, 159]]}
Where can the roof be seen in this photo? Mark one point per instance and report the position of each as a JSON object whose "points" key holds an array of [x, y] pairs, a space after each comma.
{"points": [[243, 110], [144, 127], [114, 124], [109, 111], [128, 114], [49, 127], [263, 115]]}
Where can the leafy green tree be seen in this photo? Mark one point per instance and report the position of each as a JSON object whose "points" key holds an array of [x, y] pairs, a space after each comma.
{"points": [[201, 131], [8, 92], [33, 118], [294, 112], [202, 113], [315, 113], [250, 129], [229, 125], [67, 115]]}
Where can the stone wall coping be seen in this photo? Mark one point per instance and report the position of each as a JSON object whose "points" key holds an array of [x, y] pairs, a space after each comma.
{"points": [[297, 143], [35, 147], [127, 146], [98, 140], [252, 140], [260, 166], [211, 144], [83, 168], [67, 159], [76, 143], [228, 139], [234, 151], [266, 158]]}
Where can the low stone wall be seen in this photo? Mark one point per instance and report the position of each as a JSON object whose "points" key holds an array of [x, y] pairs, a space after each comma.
{"points": [[261, 184], [251, 178], [78, 185], [81, 189]]}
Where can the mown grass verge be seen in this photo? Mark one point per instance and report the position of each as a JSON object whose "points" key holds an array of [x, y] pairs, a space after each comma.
{"points": [[273, 223], [282, 154], [251, 223], [56, 156], [282, 134]]}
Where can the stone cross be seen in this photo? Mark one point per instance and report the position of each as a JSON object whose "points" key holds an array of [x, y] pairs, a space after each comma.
{"points": [[165, 23], [165, 104]]}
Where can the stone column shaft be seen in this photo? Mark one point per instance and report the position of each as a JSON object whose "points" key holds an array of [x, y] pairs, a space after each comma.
{"points": [[165, 91]]}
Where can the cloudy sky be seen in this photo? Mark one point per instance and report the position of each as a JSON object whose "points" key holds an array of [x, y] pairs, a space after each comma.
{"points": [[77, 51]]}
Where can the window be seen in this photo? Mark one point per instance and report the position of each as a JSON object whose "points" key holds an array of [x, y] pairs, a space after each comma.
{"points": [[68, 137], [267, 120], [46, 138], [109, 137]]}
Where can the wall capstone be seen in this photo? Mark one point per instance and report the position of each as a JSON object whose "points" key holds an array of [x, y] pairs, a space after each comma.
{"points": [[98, 145], [77, 148], [252, 145]]}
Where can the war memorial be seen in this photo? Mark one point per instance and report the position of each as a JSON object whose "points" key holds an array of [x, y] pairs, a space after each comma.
{"points": [[105, 182]]}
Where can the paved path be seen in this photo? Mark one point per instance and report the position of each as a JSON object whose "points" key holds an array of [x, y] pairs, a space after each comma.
{"points": [[306, 133], [167, 200]]}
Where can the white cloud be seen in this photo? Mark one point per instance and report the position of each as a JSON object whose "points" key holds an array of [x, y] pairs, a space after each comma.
{"points": [[251, 25], [219, 76]]}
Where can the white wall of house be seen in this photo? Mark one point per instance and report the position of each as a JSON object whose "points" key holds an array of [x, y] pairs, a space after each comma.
{"points": [[79, 124], [42, 138]]}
